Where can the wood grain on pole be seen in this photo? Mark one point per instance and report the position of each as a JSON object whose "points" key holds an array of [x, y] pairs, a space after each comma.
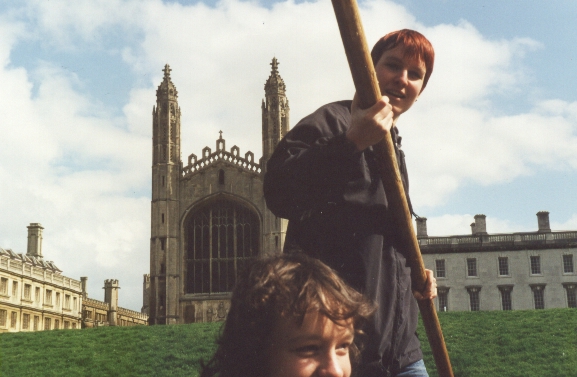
{"points": [[367, 87]]}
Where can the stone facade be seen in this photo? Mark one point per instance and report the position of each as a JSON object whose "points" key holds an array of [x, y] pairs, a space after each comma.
{"points": [[107, 313], [34, 295], [525, 270], [208, 214]]}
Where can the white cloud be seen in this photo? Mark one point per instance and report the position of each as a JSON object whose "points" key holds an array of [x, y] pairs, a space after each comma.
{"points": [[570, 224]]}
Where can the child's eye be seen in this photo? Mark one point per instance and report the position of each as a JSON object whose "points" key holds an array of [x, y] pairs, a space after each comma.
{"points": [[393, 66], [307, 350], [343, 348], [415, 75]]}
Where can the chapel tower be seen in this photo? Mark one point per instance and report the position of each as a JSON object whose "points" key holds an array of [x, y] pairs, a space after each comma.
{"points": [[208, 215], [275, 124], [275, 113], [164, 248]]}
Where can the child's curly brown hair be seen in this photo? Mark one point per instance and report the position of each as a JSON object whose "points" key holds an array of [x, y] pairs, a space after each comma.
{"points": [[288, 285]]}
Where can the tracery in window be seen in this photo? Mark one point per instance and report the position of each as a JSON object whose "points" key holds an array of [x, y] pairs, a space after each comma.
{"points": [[220, 239]]}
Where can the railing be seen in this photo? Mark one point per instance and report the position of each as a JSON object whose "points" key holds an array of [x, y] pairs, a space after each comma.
{"points": [[470, 239], [132, 313], [439, 240], [502, 238], [564, 235], [457, 241], [95, 303], [533, 237]]}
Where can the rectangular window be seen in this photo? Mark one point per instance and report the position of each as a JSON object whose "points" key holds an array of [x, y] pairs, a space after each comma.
{"points": [[67, 302], [443, 301], [15, 289], [25, 321], [535, 265], [36, 322], [539, 296], [568, 266], [66, 324], [440, 268], [27, 290], [48, 300], [13, 319], [503, 266], [47, 323], [75, 301], [571, 289], [4, 286], [471, 266], [73, 325], [58, 299], [474, 301], [37, 294], [506, 300], [56, 324], [3, 317]]}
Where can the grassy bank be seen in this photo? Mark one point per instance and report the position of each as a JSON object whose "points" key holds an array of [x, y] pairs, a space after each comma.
{"points": [[523, 343], [537, 343]]}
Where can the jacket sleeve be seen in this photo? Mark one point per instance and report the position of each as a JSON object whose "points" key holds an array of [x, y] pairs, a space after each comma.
{"points": [[306, 169]]}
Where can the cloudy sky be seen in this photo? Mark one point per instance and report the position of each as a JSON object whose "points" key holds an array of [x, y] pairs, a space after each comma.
{"points": [[495, 132]]}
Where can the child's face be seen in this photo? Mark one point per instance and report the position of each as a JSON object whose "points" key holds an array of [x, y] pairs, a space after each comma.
{"points": [[400, 78], [319, 347]]}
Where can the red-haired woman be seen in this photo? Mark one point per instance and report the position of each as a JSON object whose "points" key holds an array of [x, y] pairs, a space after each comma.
{"points": [[323, 178]]}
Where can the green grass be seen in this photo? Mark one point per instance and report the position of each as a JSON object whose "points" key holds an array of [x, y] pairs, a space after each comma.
{"points": [[523, 343], [108, 351], [535, 343]]}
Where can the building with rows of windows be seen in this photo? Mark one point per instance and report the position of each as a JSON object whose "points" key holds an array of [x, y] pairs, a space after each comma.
{"points": [[525, 270], [208, 215], [34, 295]]}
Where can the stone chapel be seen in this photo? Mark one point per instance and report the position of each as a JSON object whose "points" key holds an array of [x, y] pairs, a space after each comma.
{"points": [[208, 213]]}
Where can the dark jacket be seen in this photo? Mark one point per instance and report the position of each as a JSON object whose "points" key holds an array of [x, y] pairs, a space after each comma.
{"points": [[337, 210]]}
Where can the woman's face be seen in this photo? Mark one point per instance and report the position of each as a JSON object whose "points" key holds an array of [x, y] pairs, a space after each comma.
{"points": [[319, 347], [400, 79]]}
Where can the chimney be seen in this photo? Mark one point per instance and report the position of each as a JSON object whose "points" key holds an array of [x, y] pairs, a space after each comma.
{"points": [[480, 226], [34, 240], [543, 221], [421, 227], [83, 281]]}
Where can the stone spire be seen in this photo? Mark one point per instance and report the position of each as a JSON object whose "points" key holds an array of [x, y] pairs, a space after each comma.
{"points": [[275, 84], [166, 90], [275, 113]]}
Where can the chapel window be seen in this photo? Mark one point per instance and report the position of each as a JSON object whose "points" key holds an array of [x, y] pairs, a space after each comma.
{"points": [[221, 238]]}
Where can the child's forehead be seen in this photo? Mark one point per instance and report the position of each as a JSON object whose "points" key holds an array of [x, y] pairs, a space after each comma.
{"points": [[313, 323]]}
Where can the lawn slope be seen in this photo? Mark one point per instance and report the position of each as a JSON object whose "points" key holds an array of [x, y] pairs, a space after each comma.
{"points": [[534, 343]]}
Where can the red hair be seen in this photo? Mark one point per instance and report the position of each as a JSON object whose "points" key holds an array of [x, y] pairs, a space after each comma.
{"points": [[416, 47]]}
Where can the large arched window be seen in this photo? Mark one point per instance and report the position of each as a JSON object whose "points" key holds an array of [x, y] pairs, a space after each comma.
{"points": [[220, 239]]}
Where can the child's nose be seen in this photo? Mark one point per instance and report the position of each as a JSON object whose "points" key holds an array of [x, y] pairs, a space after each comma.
{"points": [[331, 367]]}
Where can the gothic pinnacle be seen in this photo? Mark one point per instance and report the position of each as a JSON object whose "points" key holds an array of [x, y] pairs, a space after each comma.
{"points": [[166, 71], [275, 84]]}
